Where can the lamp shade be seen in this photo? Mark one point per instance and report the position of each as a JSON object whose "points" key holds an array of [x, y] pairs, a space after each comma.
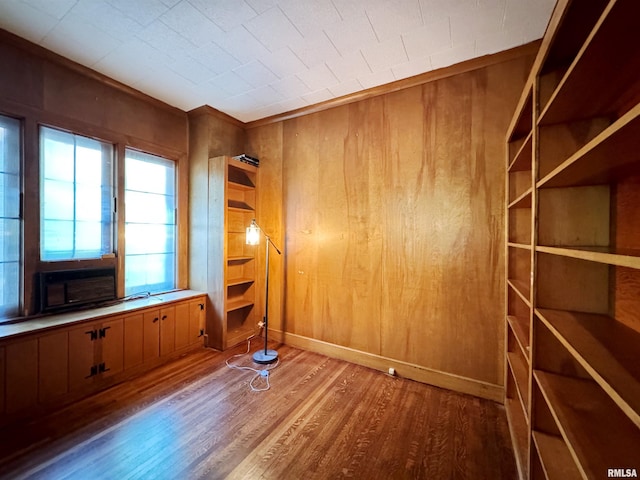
{"points": [[253, 234]]}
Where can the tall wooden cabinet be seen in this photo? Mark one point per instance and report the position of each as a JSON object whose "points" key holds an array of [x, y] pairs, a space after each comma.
{"points": [[222, 264], [573, 248]]}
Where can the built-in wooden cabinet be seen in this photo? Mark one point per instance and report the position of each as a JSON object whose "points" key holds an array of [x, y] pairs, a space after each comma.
{"points": [[573, 248], [229, 279], [48, 362]]}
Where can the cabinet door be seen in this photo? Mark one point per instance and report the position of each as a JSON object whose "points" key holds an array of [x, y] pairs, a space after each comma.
{"points": [[21, 375], [133, 341], [196, 321], [182, 325], [167, 330], [82, 358], [2, 383], [53, 364], [151, 335], [112, 346]]}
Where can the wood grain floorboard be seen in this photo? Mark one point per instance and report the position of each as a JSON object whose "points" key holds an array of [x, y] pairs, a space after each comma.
{"points": [[322, 419]]}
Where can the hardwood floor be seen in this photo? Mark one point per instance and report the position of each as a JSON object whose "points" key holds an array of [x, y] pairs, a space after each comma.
{"points": [[322, 418]]}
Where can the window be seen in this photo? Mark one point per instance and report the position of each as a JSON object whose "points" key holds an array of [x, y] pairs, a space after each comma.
{"points": [[10, 227], [150, 224], [76, 196]]}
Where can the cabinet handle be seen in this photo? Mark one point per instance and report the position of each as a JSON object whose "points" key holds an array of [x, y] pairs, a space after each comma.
{"points": [[164, 317], [201, 305], [103, 332], [93, 371], [155, 320], [103, 368], [93, 333]]}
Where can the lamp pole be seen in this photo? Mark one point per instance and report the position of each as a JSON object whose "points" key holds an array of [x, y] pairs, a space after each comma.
{"points": [[266, 356]]}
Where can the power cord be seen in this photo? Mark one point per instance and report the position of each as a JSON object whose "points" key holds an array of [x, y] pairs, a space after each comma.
{"points": [[264, 373]]}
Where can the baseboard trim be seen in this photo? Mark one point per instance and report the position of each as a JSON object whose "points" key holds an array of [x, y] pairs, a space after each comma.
{"points": [[411, 371]]}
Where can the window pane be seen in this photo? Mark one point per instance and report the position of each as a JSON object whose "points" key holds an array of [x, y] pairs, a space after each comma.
{"points": [[10, 222], [149, 223], [76, 196]]}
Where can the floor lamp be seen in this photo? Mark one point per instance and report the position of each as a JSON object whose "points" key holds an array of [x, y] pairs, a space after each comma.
{"points": [[253, 238]]}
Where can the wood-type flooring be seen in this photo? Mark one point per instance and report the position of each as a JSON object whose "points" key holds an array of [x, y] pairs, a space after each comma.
{"points": [[322, 418]]}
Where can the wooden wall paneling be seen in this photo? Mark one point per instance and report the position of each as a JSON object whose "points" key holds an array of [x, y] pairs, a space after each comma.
{"points": [[182, 325], [300, 168], [22, 79], [266, 143], [21, 375], [53, 361]]}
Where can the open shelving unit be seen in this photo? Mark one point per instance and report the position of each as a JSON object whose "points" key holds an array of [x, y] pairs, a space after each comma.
{"points": [[572, 370]]}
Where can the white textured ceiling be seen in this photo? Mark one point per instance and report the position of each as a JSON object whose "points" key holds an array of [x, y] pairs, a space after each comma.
{"points": [[257, 58]]}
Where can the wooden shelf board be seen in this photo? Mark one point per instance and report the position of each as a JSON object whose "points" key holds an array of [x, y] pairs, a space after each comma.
{"points": [[519, 434], [605, 64], [520, 373], [555, 457], [238, 165], [520, 329], [611, 256], [523, 201], [522, 161], [239, 281], [524, 246], [606, 348], [609, 156], [240, 186], [597, 433], [241, 259], [238, 206], [238, 304], [521, 288]]}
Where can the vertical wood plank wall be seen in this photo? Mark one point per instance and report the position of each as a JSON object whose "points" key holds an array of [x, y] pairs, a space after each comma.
{"points": [[393, 208]]}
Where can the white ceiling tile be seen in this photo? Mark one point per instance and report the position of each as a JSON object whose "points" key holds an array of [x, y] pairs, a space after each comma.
{"points": [[230, 83], [531, 19], [215, 58], [57, 9], [68, 38], [142, 11], [453, 55], [498, 41], [395, 18], [261, 6], [227, 14], [428, 39], [349, 67], [171, 3], [310, 16], [106, 18], [318, 96], [315, 50], [381, 56], [433, 10], [25, 21], [266, 95], [191, 23], [349, 9], [350, 35], [273, 29], [284, 62], [318, 77], [471, 25], [192, 70], [378, 78], [241, 44], [412, 68], [291, 87], [164, 80], [165, 39], [256, 74], [345, 88]]}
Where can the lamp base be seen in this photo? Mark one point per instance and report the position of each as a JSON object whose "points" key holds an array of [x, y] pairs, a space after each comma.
{"points": [[264, 358]]}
